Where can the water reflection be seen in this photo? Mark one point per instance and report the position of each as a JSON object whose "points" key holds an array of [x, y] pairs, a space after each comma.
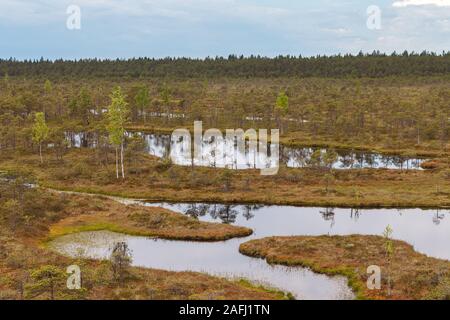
{"points": [[438, 217], [220, 258], [328, 215], [347, 159], [163, 146], [427, 230], [355, 213], [225, 213]]}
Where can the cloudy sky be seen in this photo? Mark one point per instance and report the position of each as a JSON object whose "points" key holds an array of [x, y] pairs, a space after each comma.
{"points": [[199, 28]]}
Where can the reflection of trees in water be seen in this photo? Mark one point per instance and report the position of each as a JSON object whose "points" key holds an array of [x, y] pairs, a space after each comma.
{"points": [[196, 210], [385, 161], [248, 214], [399, 162], [286, 154], [157, 142], [371, 160], [213, 210], [86, 139], [347, 159], [248, 210], [299, 156], [162, 145], [393, 161], [355, 214], [226, 213], [359, 160], [328, 215], [352, 159], [438, 217]]}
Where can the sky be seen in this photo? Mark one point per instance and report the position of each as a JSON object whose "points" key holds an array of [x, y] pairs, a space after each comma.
{"points": [[30, 29]]}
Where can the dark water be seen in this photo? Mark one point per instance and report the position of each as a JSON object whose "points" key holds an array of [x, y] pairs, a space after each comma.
{"points": [[163, 146]]}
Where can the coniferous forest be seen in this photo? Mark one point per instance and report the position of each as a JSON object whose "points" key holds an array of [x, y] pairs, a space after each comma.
{"points": [[374, 65]]}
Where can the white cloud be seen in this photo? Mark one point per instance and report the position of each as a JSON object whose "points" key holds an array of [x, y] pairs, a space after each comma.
{"points": [[200, 27], [444, 24], [406, 3], [338, 31], [22, 11], [416, 29]]}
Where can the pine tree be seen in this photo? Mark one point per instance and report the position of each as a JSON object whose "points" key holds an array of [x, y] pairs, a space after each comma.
{"points": [[142, 101]]}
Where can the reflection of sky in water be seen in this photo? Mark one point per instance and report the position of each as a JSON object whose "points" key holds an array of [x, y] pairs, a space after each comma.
{"points": [[219, 258], [427, 230], [225, 153], [298, 158]]}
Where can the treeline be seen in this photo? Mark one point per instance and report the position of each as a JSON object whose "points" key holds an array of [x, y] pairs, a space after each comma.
{"points": [[372, 65]]}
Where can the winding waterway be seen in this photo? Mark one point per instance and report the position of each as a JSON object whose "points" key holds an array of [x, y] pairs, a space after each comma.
{"points": [[427, 230]]}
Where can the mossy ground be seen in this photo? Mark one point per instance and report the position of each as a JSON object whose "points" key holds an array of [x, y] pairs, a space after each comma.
{"points": [[413, 275], [23, 250], [153, 180], [100, 213]]}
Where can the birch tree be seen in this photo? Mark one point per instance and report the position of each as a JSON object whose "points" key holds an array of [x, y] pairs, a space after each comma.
{"points": [[40, 131], [117, 116], [281, 108]]}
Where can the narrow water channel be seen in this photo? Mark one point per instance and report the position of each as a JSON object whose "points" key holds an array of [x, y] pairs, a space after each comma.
{"points": [[428, 231]]}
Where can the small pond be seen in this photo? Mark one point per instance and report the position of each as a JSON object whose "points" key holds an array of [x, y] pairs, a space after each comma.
{"points": [[162, 145]]}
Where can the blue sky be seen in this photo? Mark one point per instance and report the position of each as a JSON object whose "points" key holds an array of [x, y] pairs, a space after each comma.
{"points": [[199, 28]]}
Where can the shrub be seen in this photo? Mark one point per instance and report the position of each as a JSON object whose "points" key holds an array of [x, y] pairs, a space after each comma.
{"points": [[81, 170], [47, 279], [148, 220], [163, 165], [120, 260], [226, 178], [199, 179], [430, 165]]}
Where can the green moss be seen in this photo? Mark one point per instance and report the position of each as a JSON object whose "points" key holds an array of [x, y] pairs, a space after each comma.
{"points": [[281, 294], [352, 278], [98, 226]]}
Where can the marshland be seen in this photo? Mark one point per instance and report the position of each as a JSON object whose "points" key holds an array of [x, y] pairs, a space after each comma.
{"points": [[90, 175]]}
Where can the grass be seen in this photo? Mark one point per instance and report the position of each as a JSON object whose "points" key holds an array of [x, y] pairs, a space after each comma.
{"points": [[99, 284], [368, 188], [431, 149], [80, 171], [21, 252], [107, 214], [384, 145], [414, 275]]}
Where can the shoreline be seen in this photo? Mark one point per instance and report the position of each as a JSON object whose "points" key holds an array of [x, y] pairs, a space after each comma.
{"points": [[124, 196]]}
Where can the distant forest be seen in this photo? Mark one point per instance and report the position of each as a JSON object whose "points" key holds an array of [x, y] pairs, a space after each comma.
{"points": [[374, 65]]}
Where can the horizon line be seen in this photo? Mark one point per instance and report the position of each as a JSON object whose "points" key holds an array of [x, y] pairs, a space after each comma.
{"points": [[233, 56]]}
